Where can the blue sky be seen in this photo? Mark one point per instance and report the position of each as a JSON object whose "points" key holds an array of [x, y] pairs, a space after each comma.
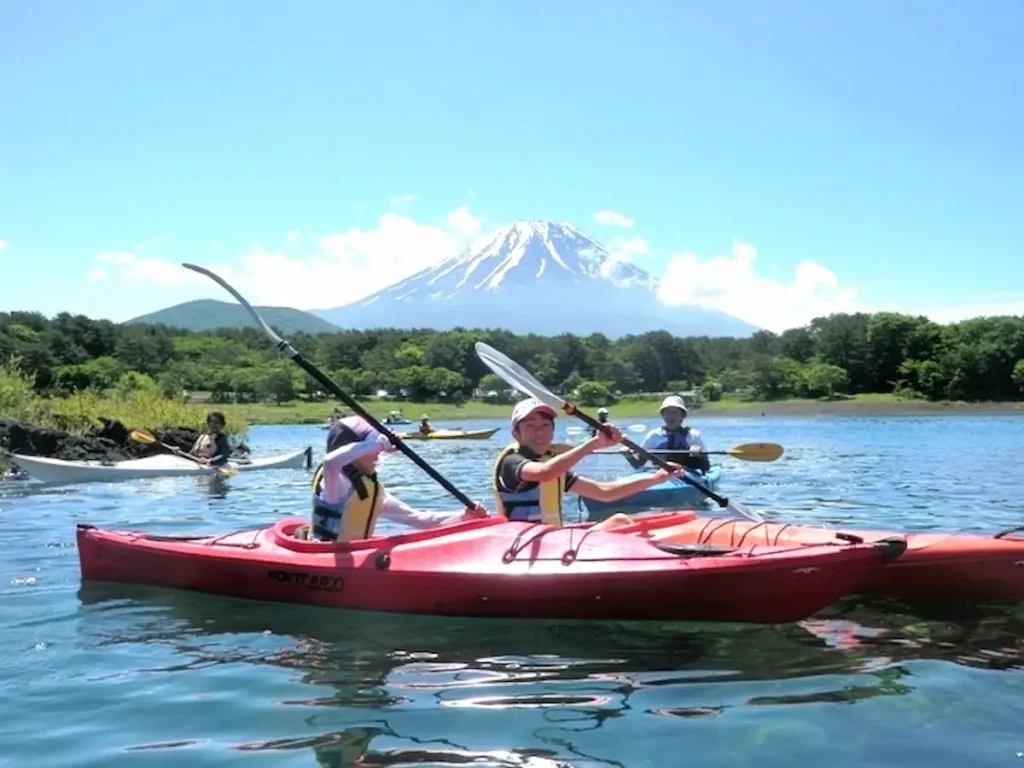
{"points": [[879, 140]]}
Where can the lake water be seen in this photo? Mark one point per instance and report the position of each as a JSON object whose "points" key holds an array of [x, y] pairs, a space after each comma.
{"points": [[120, 676]]}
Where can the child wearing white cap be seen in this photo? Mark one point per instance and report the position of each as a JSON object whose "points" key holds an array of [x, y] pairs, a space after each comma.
{"points": [[531, 477]]}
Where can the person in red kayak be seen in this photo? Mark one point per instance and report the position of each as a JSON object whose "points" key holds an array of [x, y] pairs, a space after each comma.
{"points": [[532, 474], [349, 499]]}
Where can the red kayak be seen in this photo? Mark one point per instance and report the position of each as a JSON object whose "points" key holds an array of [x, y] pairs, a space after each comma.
{"points": [[493, 567], [945, 565]]}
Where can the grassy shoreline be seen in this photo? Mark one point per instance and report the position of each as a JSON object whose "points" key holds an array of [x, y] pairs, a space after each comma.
{"points": [[302, 412]]}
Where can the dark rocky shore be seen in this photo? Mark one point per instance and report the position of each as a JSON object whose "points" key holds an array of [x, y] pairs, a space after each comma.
{"points": [[110, 442]]}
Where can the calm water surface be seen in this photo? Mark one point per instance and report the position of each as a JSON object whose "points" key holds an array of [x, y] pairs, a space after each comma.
{"points": [[123, 676]]}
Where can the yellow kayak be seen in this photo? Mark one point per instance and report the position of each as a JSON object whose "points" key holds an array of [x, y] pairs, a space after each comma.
{"points": [[449, 434]]}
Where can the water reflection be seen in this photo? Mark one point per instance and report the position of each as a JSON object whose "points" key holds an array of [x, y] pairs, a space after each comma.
{"points": [[367, 672]]}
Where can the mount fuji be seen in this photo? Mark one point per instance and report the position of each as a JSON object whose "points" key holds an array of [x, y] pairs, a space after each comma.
{"points": [[533, 277]]}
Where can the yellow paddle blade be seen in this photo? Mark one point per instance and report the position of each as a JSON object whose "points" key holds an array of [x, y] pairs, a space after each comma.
{"points": [[227, 471], [143, 436], [757, 451]]}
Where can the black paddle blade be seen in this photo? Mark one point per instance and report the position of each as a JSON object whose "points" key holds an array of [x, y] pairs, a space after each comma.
{"points": [[696, 550]]}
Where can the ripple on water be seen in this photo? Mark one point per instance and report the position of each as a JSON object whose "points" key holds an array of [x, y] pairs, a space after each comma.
{"points": [[115, 675]]}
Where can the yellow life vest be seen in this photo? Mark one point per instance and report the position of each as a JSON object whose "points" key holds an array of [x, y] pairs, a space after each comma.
{"points": [[356, 516], [538, 502]]}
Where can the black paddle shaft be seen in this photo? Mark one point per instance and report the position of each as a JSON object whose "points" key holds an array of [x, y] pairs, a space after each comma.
{"points": [[572, 410], [350, 401]]}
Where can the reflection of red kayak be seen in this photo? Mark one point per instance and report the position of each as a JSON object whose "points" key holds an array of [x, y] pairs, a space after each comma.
{"points": [[950, 565], [493, 567]]}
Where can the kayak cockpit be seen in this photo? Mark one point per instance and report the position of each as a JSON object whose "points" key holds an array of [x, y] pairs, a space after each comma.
{"points": [[292, 534]]}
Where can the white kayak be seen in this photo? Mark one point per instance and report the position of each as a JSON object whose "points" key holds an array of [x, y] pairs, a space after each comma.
{"points": [[162, 465]]}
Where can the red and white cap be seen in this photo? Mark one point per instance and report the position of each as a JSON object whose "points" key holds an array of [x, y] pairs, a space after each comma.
{"points": [[531, 405]]}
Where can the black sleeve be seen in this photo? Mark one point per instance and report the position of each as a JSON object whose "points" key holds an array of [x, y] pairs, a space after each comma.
{"points": [[570, 479], [222, 448], [508, 472], [512, 465]]}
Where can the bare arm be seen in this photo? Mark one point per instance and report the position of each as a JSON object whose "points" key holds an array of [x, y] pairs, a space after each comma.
{"points": [[613, 490], [542, 471]]}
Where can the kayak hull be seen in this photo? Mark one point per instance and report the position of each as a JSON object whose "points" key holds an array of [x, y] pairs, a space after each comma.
{"points": [[935, 565], [667, 494], [50, 470], [450, 434], [491, 568]]}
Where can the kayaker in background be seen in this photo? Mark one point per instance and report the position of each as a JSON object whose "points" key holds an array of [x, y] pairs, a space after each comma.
{"points": [[685, 443], [532, 475], [212, 446], [348, 499], [425, 428], [602, 416]]}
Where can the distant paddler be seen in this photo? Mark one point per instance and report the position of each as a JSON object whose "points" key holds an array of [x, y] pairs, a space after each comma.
{"points": [[683, 444], [602, 416], [212, 447]]}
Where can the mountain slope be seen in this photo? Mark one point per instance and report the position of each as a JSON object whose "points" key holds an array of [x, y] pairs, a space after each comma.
{"points": [[533, 277], [208, 315]]}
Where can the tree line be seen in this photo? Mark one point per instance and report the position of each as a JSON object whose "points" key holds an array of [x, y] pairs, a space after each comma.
{"points": [[977, 359]]}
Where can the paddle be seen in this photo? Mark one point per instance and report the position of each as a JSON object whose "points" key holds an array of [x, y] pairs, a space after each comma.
{"points": [[146, 437], [517, 376], [288, 350], [747, 452], [575, 431]]}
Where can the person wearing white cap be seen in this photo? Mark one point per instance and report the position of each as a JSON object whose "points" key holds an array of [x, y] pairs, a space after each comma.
{"points": [[685, 443], [602, 416], [349, 499], [532, 474]]}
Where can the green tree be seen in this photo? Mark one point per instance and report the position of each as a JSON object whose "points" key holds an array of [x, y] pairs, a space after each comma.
{"points": [[825, 379], [596, 393], [1018, 376]]}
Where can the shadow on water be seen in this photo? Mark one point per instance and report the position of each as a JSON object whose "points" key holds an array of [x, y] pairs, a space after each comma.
{"points": [[575, 676]]}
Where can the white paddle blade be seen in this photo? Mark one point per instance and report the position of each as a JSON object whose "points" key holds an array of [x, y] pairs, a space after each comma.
{"points": [[736, 507], [515, 375]]}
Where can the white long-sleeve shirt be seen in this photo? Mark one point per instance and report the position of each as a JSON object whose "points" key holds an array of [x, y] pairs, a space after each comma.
{"points": [[335, 488], [658, 439]]}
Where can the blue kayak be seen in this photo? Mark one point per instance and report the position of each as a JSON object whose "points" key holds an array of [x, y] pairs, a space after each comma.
{"points": [[670, 493]]}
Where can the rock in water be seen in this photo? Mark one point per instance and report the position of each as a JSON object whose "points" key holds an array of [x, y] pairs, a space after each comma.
{"points": [[110, 442]]}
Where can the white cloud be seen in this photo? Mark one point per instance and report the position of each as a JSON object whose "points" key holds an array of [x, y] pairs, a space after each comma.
{"points": [[463, 222], [400, 200], [293, 236], [333, 269], [731, 284], [4, 245], [130, 268], [613, 219]]}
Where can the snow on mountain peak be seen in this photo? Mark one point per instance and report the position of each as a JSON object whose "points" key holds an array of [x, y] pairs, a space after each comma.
{"points": [[532, 276], [532, 249]]}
